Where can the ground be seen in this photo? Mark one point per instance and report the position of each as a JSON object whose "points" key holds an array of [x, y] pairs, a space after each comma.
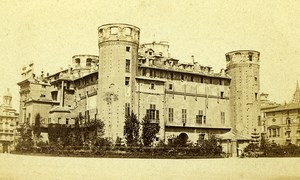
{"points": [[41, 167]]}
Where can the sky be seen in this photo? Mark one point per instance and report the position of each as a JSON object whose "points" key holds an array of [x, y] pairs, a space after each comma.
{"points": [[48, 33]]}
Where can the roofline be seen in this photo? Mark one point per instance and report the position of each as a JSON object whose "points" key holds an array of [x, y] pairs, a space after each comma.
{"points": [[243, 50], [116, 24]]}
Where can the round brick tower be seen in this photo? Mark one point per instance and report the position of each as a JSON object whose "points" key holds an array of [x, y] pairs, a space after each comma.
{"points": [[118, 57], [243, 68]]}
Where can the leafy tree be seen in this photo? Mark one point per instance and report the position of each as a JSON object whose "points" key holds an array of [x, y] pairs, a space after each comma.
{"points": [[149, 131], [25, 141], [132, 127], [37, 127]]}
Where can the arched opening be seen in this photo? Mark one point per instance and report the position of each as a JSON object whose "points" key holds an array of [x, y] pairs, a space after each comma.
{"points": [[183, 137]]}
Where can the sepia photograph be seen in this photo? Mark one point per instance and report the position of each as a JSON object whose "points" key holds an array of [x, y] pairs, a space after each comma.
{"points": [[149, 89]]}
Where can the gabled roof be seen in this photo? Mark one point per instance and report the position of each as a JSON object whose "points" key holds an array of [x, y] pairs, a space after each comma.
{"points": [[231, 135]]}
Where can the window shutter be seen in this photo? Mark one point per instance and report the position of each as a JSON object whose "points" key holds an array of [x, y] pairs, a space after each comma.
{"points": [[157, 115], [148, 113]]}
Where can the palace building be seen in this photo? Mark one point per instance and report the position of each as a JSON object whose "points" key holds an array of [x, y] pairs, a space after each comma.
{"points": [[188, 99]]}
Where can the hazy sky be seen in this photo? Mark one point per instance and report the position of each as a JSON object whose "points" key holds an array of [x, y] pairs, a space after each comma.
{"points": [[49, 33]]}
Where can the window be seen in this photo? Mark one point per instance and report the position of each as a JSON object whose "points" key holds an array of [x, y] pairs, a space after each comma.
{"points": [[222, 118], [184, 116], [127, 31], [192, 78], [127, 48], [171, 76], [127, 109], [255, 96], [152, 113], [150, 53], [170, 86], [250, 57], [114, 30], [127, 66], [199, 117], [151, 73], [182, 77], [67, 121], [144, 72], [222, 94], [171, 114], [77, 61], [127, 80], [88, 62], [259, 120], [152, 86]]}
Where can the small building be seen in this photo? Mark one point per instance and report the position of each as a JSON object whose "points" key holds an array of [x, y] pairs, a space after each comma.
{"points": [[233, 143]]}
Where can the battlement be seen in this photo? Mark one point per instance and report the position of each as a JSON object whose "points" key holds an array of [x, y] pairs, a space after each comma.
{"points": [[85, 61], [242, 56], [118, 32]]}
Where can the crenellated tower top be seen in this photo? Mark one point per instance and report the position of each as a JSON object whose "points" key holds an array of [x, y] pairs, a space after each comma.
{"points": [[118, 32]]}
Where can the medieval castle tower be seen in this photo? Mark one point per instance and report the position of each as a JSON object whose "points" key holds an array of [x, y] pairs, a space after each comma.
{"points": [[243, 68]]}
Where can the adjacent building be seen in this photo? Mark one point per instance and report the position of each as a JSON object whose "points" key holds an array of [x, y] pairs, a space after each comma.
{"points": [[282, 122], [8, 123]]}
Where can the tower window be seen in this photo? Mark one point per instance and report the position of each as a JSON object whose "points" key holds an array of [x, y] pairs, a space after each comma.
{"points": [[182, 77], [114, 30], [250, 57], [152, 86], [127, 31], [88, 62], [192, 78], [127, 79], [222, 94], [255, 96], [127, 66], [77, 61], [170, 86], [127, 48]]}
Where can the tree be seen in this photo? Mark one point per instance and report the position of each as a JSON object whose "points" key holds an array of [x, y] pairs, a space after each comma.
{"points": [[25, 141], [132, 127], [149, 131], [37, 127]]}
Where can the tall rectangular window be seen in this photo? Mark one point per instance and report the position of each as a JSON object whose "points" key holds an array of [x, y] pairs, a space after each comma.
{"points": [[200, 117], [127, 66], [127, 49], [171, 114], [127, 80], [222, 94], [152, 113], [127, 109], [152, 86], [222, 118], [184, 116]]}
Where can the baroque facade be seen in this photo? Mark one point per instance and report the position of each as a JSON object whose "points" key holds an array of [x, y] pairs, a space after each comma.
{"points": [[183, 98], [282, 122]]}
